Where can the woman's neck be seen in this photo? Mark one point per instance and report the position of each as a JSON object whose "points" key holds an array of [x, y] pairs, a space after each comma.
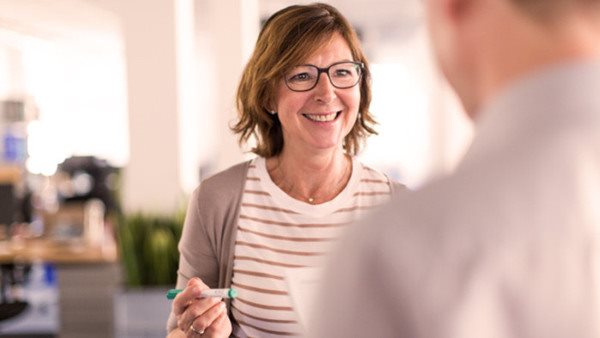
{"points": [[314, 180]]}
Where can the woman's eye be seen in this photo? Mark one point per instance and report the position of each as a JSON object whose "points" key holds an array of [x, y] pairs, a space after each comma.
{"points": [[342, 72], [300, 77]]}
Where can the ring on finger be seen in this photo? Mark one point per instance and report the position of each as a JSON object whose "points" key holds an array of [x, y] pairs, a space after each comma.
{"points": [[196, 331]]}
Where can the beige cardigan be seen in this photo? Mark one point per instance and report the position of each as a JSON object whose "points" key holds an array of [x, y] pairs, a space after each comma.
{"points": [[207, 243]]}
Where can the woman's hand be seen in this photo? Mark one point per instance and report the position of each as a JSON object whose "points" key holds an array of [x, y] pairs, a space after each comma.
{"points": [[200, 317]]}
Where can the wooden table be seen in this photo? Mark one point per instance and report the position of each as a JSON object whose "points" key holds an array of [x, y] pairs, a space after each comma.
{"points": [[51, 251], [88, 278]]}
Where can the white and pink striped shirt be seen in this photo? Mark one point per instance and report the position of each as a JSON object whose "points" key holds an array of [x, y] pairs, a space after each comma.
{"points": [[277, 232]]}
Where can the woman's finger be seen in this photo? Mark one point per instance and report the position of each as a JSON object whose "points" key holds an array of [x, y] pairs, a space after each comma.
{"points": [[192, 291], [222, 325], [195, 310], [206, 322]]}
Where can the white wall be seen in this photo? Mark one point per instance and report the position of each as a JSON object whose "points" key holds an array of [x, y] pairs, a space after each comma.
{"points": [[228, 31], [152, 175]]}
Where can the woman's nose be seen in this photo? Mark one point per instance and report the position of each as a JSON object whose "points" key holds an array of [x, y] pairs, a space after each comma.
{"points": [[324, 91]]}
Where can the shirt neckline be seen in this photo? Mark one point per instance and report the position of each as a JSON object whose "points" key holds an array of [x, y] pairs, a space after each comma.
{"points": [[281, 197]]}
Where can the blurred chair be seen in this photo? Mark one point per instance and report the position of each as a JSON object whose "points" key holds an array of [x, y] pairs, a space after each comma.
{"points": [[12, 278]]}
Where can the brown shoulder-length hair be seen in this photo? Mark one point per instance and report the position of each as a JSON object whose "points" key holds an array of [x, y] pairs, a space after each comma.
{"points": [[288, 38]]}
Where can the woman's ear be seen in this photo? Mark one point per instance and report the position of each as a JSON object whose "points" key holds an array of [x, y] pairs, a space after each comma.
{"points": [[270, 111], [271, 107]]}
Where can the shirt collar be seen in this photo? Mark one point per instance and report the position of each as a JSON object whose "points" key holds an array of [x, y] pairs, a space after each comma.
{"points": [[555, 97]]}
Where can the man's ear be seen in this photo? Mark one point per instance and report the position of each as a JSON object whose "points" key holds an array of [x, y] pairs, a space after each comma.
{"points": [[457, 10]]}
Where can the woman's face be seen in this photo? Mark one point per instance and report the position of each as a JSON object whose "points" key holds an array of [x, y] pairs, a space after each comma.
{"points": [[320, 118]]}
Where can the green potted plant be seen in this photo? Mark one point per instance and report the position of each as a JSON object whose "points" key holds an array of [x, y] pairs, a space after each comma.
{"points": [[148, 248], [149, 258]]}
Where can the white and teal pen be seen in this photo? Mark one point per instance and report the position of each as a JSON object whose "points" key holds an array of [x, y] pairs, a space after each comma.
{"points": [[217, 293]]}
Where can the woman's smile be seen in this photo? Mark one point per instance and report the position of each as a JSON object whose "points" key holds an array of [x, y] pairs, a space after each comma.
{"points": [[322, 117]]}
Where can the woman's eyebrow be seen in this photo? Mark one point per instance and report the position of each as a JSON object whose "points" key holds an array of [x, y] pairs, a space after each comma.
{"points": [[310, 64]]}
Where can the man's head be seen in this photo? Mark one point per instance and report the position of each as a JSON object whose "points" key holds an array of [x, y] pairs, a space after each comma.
{"points": [[483, 45]]}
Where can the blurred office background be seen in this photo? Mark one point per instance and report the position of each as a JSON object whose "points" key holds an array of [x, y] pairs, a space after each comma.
{"points": [[112, 111]]}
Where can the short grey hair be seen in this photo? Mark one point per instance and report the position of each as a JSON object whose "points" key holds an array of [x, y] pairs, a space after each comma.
{"points": [[551, 9]]}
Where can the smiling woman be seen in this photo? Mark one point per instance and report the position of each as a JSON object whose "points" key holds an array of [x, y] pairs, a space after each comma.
{"points": [[318, 115], [304, 95], [280, 49]]}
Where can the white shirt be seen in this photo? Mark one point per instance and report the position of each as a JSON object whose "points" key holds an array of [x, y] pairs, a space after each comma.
{"points": [[507, 246]]}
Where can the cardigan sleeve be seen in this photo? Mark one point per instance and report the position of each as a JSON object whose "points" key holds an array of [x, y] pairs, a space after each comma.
{"points": [[197, 252], [205, 244], [197, 258]]}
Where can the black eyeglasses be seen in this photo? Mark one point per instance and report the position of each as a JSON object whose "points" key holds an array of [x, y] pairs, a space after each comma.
{"points": [[342, 75]]}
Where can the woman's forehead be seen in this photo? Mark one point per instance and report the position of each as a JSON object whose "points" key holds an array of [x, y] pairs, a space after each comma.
{"points": [[332, 48]]}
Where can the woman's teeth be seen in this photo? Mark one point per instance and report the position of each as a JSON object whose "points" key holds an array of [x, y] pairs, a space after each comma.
{"points": [[321, 117]]}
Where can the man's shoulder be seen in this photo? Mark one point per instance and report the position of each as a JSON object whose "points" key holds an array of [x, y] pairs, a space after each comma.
{"points": [[441, 203]]}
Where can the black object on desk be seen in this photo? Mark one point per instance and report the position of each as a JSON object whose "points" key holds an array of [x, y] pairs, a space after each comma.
{"points": [[8, 204]]}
